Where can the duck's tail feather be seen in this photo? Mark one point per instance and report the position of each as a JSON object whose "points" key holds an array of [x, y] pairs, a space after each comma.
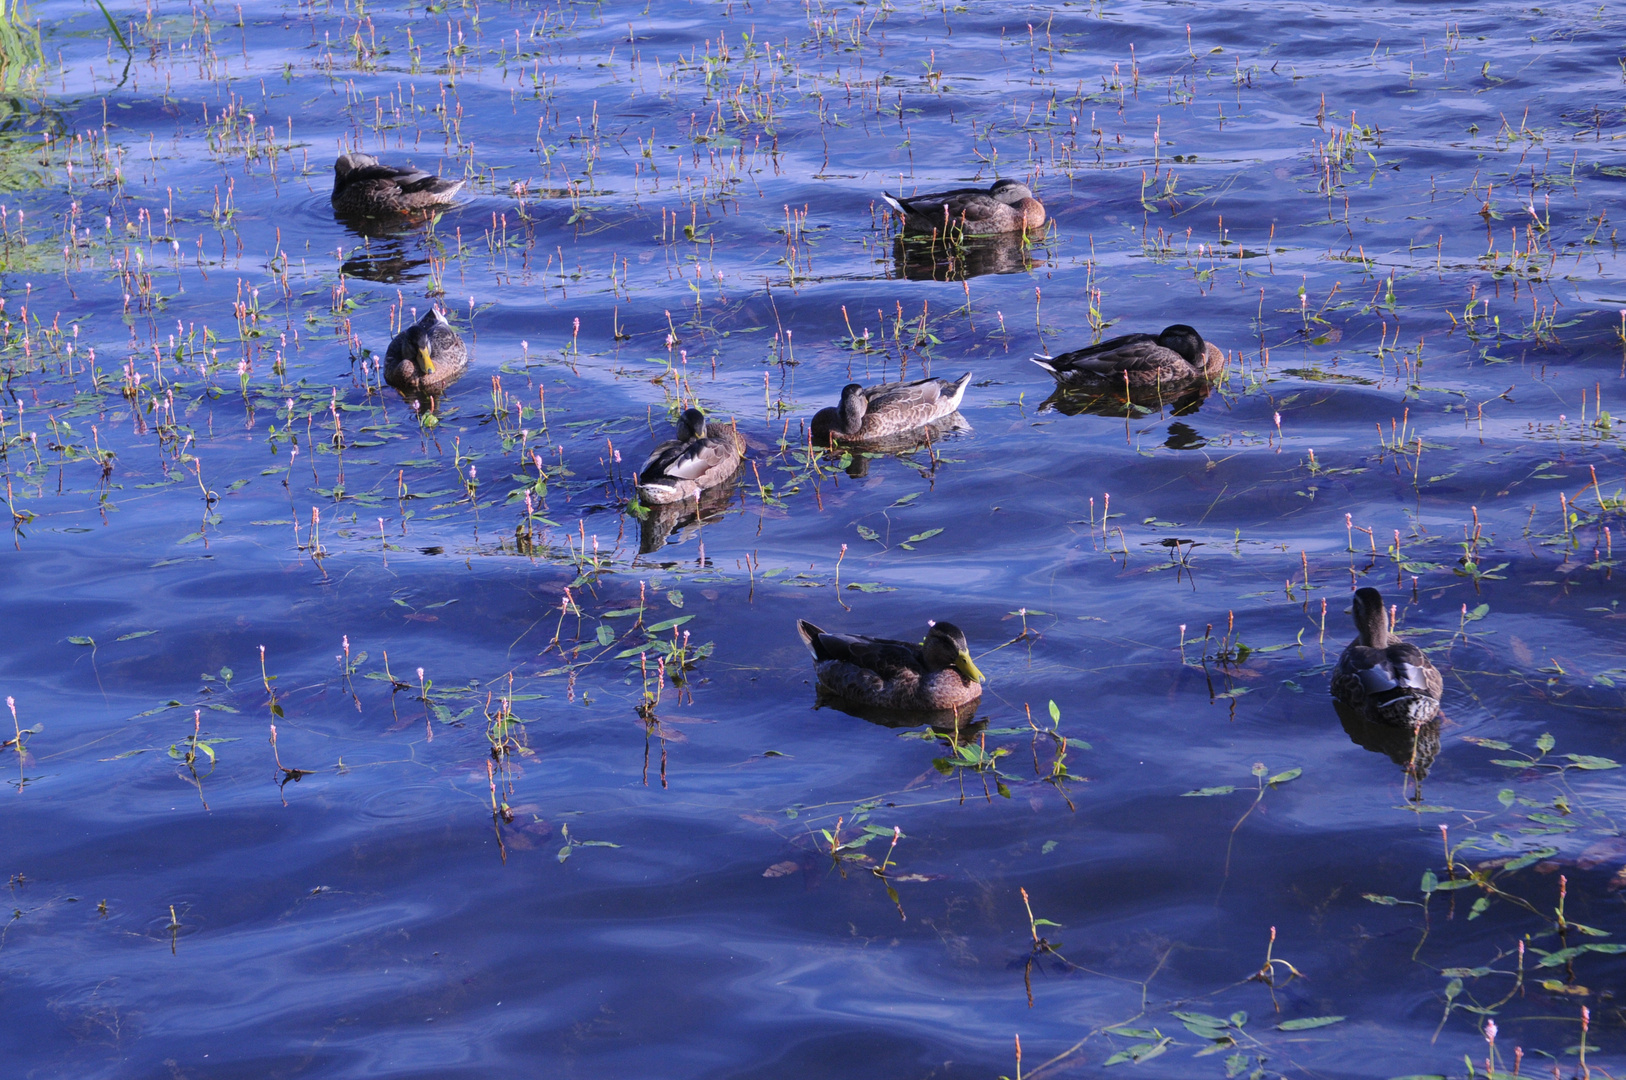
{"points": [[1403, 706], [1044, 361], [894, 203], [659, 493], [958, 394], [810, 636]]}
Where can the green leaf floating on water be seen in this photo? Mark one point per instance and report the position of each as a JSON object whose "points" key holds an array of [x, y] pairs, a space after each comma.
{"points": [[1308, 1022], [927, 535], [1564, 955], [1223, 790], [667, 624], [1140, 1053]]}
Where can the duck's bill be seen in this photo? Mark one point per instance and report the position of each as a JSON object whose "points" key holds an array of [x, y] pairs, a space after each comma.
{"points": [[967, 667], [424, 360]]}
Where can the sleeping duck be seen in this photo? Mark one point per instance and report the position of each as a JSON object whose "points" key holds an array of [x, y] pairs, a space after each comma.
{"points": [[872, 414], [363, 187], [1175, 357], [701, 456], [1007, 207]]}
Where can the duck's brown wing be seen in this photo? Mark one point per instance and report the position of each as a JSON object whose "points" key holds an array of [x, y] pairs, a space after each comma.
{"points": [[654, 466], [1401, 668], [933, 204], [1412, 670], [704, 461], [883, 656], [408, 180], [894, 407], [1131, 352], [901, 395]]}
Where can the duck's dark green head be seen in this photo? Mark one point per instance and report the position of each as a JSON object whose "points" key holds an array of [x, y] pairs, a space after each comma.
{"points": [[1186, 341], [692, 425], [945, 647], [419, 344], [1010, 191]]}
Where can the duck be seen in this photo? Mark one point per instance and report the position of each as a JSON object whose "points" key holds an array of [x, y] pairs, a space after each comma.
{"points": [[937, 674], [1389, 680], [426, 357], [1006, 207], [364, 187], [1176, 356], [702, 456], [872, 414]]}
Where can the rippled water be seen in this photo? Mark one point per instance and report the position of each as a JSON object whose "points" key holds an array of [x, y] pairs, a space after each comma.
{"points": [[1397, 220]]}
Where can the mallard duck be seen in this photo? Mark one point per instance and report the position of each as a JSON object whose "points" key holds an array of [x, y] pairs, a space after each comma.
{"points": [[1390, 680], [874, 413], [1007, 207], [362, 186], [426, 357], [703, 455], [1176, 356], [934, 675]]}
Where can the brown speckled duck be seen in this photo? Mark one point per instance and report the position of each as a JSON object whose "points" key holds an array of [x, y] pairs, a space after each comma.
{"points": [[1175, 357], [702, 456], [935, 675], [873, 414], [363, 187], [426, 357], [1007, 207], [1389, 680]]}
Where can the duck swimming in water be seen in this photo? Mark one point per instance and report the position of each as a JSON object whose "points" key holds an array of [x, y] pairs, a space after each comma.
{"points": [[935, 675], [1177, 356], [1389, 680], [426, 357], [1007, 207], [363, 187], [702, 456], [871, 414]]}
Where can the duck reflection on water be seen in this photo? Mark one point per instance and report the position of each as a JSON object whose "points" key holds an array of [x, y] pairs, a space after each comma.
{"points": [[902, 445], [961, 726], [686, 518], [1413, 749], [1138, 403], [935, 259], [384, 263]]}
